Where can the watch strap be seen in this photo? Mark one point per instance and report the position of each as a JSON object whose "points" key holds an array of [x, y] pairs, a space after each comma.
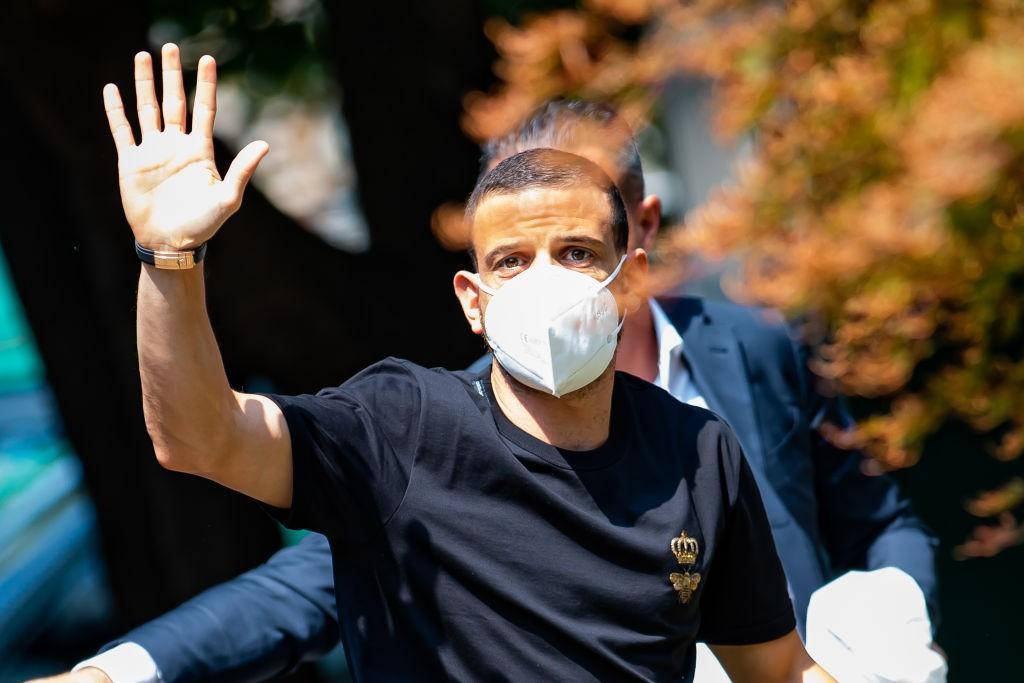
{"points": [[170, 260]]}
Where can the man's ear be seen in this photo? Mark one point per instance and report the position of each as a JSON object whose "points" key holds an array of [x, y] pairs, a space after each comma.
{"points": [[634, 272], [467, 289], [648, 221]]}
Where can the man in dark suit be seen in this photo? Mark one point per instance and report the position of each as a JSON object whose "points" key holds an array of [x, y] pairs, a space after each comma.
{"points": [[826, 515]]}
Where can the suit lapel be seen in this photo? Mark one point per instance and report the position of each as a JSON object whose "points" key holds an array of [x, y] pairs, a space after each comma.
{"points": [[716, 365]]}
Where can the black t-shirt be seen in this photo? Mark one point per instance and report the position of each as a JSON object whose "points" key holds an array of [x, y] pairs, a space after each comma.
{"points": [[466, 549]]}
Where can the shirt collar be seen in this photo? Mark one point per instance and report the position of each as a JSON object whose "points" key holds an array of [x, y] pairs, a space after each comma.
{"points": [[670, 343]]}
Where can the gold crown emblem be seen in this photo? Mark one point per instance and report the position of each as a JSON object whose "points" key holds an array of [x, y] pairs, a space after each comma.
{"points": [[685, 549]]}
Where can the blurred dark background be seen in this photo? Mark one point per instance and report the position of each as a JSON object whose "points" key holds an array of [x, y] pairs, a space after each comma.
{"points": [[305, 289]]}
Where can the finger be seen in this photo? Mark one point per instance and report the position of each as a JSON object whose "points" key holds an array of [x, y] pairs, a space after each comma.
{"points": [[243, 167], [119, 126], [205, 108], [145, 94], [174, 88]]}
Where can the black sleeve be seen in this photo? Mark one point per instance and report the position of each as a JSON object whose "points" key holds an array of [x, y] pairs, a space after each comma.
{"points": [[352, 451], [745, 599]]}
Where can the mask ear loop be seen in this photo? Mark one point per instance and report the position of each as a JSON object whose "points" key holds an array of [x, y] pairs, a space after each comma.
{"points": [[490, 292], [615, 273], [604, 283], [607, 281], [484, 288]]}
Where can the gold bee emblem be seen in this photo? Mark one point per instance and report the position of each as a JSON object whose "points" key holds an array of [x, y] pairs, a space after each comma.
{"points": [[686, 549], [684, 584]]}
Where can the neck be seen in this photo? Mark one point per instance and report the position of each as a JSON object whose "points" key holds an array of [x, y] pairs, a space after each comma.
{"points": [[578, 421], [637, 352]]}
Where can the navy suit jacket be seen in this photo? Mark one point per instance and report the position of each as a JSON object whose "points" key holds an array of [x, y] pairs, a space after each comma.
{"points": [[826, 515]]}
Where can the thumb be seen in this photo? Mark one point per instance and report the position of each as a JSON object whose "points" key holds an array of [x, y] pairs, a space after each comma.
{"points": [[243, 166]]}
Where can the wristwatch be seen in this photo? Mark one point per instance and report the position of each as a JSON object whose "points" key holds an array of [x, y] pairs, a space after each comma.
{"points": [[171, 260]]}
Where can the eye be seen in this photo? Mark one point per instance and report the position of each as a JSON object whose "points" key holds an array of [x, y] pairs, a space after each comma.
{"points": [[509, 263], [578, 256]]}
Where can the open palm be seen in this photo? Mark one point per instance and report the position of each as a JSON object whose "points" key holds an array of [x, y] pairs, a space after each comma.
{"points": [[173, 196]]}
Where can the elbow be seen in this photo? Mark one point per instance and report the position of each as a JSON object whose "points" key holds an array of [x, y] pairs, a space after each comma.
{"points": [[167, 456], [173, 460], [178, 455], [185, 443], [172, 456]]}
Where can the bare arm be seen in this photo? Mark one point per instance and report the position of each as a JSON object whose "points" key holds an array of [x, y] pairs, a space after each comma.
{"points": [[783, 660], [175, 199]]}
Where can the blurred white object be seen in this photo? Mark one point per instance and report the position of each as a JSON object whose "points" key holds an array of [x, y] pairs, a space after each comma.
{"points": [[873, 627], [708, 669], [309, 174], [125, 663]]}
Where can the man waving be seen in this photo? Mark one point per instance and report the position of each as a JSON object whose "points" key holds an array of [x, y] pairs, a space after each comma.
{"points": [[544, 518]]}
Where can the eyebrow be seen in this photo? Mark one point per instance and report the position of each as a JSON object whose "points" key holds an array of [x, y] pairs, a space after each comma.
{"points": [[504, 246], [567, 237], [581, 239]]}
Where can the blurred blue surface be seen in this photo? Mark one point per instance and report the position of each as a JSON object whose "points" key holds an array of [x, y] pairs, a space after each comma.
{"points": [[52, 585]]}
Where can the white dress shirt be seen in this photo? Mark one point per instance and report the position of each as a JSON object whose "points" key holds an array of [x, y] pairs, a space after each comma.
{"points": [[673, 376], [131, 663]]}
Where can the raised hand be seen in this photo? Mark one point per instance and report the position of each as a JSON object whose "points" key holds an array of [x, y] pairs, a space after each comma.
{"points": [[173, 196]]}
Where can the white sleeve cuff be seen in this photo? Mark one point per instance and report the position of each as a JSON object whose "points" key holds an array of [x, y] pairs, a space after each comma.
{"points": [[125, 663]]}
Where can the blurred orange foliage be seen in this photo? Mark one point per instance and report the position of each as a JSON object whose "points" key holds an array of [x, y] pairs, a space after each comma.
{"points": [[884, 199]]}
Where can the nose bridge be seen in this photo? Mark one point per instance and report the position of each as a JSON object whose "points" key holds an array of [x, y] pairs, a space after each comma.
{"points": [[544, 257]]}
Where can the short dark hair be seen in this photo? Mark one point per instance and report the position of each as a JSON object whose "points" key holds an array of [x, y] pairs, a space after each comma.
{"points": [[556, 124], [555, 169]]}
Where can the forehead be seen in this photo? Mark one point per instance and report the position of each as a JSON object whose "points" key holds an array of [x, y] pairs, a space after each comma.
{"points": [[539, 213]]}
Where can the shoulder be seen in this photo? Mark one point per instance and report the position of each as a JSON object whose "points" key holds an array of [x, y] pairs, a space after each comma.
{"points": [[397, 377], [404, 396], [756, 326], [769, 342], [391, 391], [388, 372], [656, 409], [751, 323]]}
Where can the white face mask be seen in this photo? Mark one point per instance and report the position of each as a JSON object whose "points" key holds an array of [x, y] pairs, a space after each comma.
{"points": [[553, 329]]}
